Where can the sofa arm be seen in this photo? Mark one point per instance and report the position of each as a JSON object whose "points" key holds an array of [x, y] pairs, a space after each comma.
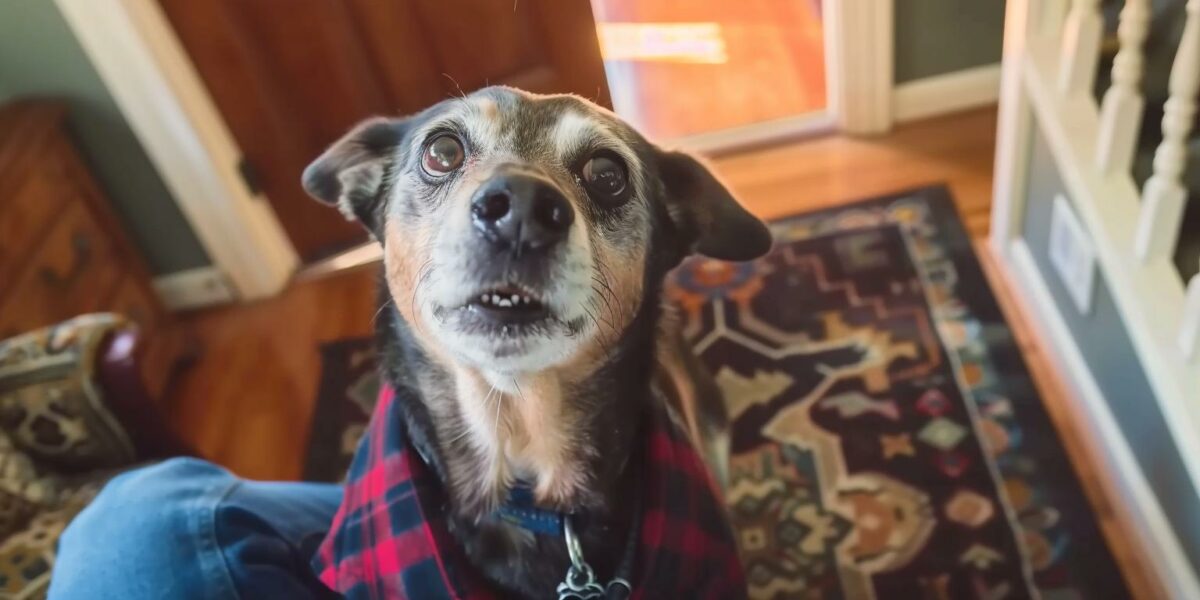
{"points": [[75, 396], [133, 378]]}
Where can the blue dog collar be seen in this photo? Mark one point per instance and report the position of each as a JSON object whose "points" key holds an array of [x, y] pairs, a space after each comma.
{"points": [[520, 510]]}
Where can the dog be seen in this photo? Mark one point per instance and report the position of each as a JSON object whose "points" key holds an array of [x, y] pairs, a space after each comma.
{"points": [[526, 239]]}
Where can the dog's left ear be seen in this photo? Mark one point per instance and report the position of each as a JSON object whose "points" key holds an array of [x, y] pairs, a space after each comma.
{"points": [[707, 214], [350, 173]]}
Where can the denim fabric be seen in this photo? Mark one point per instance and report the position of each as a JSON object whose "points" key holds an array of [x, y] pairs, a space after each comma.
{"points": [[188, 529]]}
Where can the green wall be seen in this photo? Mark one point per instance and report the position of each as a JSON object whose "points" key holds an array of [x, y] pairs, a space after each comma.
{"points": [[40, 56], [934, 37]]}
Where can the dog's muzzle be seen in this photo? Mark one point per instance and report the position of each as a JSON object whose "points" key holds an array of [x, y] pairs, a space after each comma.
{"points": [[520, 223]]}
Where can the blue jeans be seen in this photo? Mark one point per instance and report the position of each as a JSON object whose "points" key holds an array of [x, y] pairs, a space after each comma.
{"points": [[186, 528]]}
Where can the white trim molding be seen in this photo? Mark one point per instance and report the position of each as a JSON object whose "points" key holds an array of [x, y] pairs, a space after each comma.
{"points": [[1014, 129], [758, 134], [860, 64], [194, 288], [145, 68], [948, 93]]}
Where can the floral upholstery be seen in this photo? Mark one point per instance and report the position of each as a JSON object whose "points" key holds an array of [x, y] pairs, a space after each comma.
{"points": [[58, 444]]}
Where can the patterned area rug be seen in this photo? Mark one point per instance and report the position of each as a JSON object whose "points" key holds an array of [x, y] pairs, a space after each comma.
{"points": [[887, 440]]}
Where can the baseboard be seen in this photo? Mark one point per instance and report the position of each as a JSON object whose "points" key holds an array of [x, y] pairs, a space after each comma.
{"points": [[1133, 499], [727, 141], [194, 288], [944, 94]]}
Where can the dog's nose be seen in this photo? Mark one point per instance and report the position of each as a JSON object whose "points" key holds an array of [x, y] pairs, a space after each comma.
{"points": [[522, 212]]}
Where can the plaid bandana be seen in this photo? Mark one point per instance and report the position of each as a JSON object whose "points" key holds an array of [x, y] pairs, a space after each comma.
{"points": [[389, 539]]}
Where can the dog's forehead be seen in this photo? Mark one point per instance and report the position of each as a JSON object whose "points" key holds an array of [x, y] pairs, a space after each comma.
{"points": [[534, 125]]}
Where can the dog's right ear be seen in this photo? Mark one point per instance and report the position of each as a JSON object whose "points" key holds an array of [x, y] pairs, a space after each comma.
{"points": [[350, 173]]}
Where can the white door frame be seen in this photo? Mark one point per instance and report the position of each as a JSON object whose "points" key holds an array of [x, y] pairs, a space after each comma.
{"points": [[146, 69], [860, 64]]}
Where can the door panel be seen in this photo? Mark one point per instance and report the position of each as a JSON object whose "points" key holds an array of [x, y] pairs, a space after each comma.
{"points": [[290, 76]]}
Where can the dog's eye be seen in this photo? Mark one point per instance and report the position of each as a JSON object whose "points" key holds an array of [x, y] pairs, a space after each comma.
{"points": [[605, 177], [443, 154]]}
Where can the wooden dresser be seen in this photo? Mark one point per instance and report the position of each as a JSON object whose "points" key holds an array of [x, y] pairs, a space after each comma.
{"points": [[62, 251]]}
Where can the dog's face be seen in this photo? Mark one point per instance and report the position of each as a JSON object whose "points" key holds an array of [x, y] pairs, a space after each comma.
{"points": [[520, 230]]}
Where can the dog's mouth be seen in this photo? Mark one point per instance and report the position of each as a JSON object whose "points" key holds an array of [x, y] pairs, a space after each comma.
{"points": [[508, 305], [511, 321], [508, 300]]}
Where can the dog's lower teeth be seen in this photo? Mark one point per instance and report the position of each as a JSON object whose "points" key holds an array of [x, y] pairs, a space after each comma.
{"points": [[494, 299]]}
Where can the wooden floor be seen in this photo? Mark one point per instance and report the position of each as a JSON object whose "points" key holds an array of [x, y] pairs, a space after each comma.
{"points": [[247, 404], [722, 50]]}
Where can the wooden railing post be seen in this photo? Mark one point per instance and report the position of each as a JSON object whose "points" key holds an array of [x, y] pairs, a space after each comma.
{"points": [[1164, 197], [1121, 110], [1080, 47], [1189, 334]]}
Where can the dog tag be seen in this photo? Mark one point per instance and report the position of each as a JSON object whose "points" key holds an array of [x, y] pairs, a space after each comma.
{"points": [[580, 584]]}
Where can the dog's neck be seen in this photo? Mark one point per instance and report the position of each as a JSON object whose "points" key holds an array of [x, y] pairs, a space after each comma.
{"points": [[568, 432]]}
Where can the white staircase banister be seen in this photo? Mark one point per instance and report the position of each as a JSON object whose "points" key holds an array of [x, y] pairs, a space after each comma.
{"points": [[1189, 334], [1164, 197], [1051, 18], [1123, 105], [1080, 48]]}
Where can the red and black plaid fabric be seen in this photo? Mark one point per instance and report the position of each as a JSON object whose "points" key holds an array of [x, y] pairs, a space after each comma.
{"points": [[389, 538]]}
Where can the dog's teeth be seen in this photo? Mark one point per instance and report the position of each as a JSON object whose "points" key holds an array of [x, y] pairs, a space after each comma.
{"points": [[505, 303], [483, 298], [495, 299], [515, 298]]}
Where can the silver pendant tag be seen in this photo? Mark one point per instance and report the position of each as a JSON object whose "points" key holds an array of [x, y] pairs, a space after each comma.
{"points": [[580, 581], [580, 584]]}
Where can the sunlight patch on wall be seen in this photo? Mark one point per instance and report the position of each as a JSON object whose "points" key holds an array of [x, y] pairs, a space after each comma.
{"points": [[701, 43]]}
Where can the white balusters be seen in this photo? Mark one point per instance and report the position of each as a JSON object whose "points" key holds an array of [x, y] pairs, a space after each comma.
{"points": [[1189, 334], [1121, 110], [1164, 196], [1052, 18], [1080, 47]]}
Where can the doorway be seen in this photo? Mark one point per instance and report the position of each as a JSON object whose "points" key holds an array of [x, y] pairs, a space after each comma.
{"points": [[684, 71]]}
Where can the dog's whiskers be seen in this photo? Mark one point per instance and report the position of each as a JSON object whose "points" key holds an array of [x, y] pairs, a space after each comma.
{"points": [[594, 304], [600, 292], [606, 339], [499, 401], [423, 275], [382, 307], [605, 275], [456, 85]]}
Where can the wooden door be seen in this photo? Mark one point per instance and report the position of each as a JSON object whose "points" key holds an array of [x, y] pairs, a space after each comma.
{"points": [[290, 76]]}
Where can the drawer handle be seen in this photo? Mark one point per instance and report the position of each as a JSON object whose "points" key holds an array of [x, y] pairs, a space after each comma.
{"points": [[81, 246]]}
